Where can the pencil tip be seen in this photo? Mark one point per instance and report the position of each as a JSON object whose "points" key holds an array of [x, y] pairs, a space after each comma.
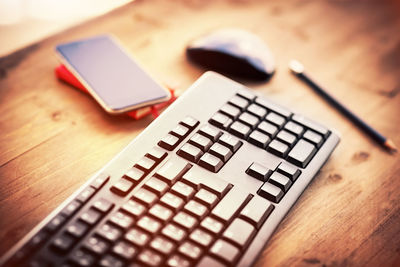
{"points": [[296, 67], [390, 145]]}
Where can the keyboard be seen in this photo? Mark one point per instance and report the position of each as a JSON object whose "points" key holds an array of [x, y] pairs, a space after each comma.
{"points": [[205, 184]]}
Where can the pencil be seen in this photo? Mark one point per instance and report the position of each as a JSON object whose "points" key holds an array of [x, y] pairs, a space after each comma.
{"points": [[298, 69]]}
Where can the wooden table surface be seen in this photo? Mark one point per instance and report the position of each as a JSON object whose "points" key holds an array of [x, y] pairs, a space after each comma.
{"points": [[53, 137]]}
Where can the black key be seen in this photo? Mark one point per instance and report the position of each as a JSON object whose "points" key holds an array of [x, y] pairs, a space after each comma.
{"points": [[121, 219], [230, 141], [256, 211], [156, 154], [173, 169], [122, 187], [276, 119], [258, 171], [259, 139], [210, 132], [145, 164], [81, 258], [302, 153], [77, 229], [100, 180], [145, 196], [257, 110], [225, 252], [289, 171], [280, 181], [134, 174], [227, 208], [274, 107], [200, 141], [286, 137], [37, 240], [109, 232], [314, 138], [110, 261], [125, 250], [189, 122], [239, 102], [103, 205], [271, 192], [210, 162], [268, 128], [240, 130], [294, 128], [91, 216], [87, 193], [220, 120], [71, 208], [278, 148], [248, 119], [311, 124], [190, 152], [230, 111], [169, 142], [246, 94], [96, 245], [55, 223], [220, 151], [156, 186], [180, 131], [63, 243]]}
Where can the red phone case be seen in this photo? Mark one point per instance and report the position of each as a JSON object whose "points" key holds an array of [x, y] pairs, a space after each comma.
{"points": [[65, 75]]}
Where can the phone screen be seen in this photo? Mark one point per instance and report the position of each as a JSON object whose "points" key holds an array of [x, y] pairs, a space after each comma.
{"points": [[117, 82]]}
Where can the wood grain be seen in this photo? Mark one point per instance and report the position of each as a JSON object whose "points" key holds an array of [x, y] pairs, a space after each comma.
{"points": [[53, 138]]}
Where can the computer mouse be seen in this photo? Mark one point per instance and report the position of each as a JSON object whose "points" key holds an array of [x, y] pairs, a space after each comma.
{"points": [[234, 52]]}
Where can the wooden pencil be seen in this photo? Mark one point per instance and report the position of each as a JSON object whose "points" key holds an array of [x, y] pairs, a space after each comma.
{"points": [[298, 69]]}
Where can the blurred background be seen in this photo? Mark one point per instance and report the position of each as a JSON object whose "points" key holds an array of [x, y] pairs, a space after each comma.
{"points": [[23, 22]]}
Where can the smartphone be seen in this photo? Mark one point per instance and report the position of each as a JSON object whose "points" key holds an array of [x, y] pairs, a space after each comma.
{"points": [[112, 77]]}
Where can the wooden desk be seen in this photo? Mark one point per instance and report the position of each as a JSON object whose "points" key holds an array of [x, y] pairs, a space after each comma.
{"points": [[53, 138]]}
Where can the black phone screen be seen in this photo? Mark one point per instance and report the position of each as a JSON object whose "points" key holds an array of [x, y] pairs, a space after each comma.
{"points": [[115, 79]]}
